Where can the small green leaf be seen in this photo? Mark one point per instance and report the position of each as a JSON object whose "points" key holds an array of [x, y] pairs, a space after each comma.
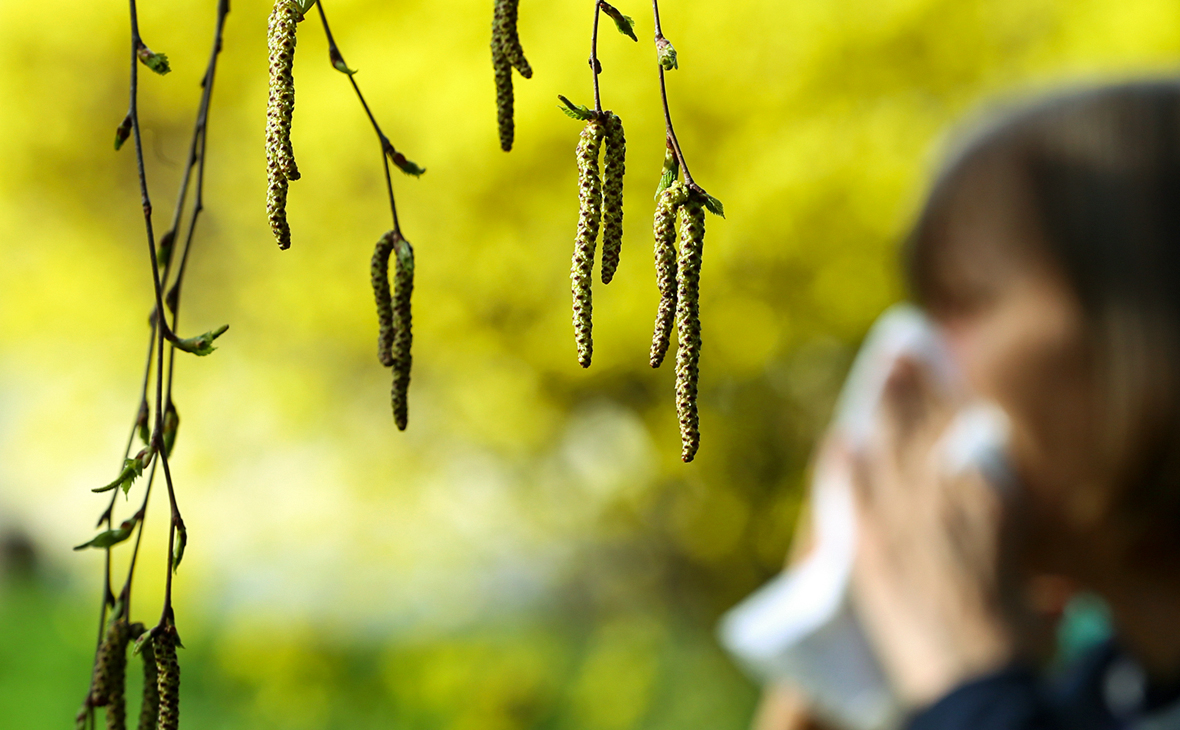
{"points": [[202, 344], [666, 54], [132, 468], [144, 638], [575, 111], [181, 542], [164, 251], [714, 206], [624, 23], [304, 5], [671, 172], [110, 538], [157, 62]]}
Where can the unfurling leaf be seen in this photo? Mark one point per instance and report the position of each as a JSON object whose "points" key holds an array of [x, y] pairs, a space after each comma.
{"points": [[141, 422], [575, 111], [714, 206], [110, 538], [123, 132], [624, 23], [201, 345], [304, 6], [157, 62], [671, 172], [132, 468], [666, 54]]}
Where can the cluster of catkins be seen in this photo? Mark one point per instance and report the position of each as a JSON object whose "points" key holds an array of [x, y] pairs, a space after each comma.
{"points": [[600, 201], [507, 54], [678, 279], [160, 708], [393, 315], [280, 104]]}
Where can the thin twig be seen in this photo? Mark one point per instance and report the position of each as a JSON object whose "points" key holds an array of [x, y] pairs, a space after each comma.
{"points": [[669, 132], [595, 66], [387, 148]]}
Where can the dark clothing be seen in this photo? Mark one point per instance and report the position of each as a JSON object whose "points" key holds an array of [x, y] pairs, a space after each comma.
{"points": [[1103, 690]]}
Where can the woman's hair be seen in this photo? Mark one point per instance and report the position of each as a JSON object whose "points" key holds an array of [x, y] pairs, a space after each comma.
{"points": [[1090, 180]]}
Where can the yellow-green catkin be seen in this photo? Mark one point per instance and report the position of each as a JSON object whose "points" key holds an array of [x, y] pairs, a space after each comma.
{"points": [[379, 274], [506, 53], [110, 679], [167, 678], [615, 165], [403, 335], [509, 38], [665, 233], [149, 709], [280, 158], [589, 218], [688, 321]]}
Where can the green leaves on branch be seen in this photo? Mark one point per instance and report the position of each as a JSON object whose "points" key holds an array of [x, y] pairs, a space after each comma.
{"points": [[666, 54], [157, 62], [575, 111], [132, 470], [624, 23], [304, 6], [201, 345], [714, 206], [110, 538]]}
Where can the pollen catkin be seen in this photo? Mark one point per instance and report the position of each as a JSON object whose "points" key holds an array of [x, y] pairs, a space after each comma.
{"points": [[110, 680], [665, 233], [589, 217], [167, 678], [503, 69], [379, 274], [688, 320], [280, 158], [149, 709], [614, 158], [403, 335], [505, 31]]}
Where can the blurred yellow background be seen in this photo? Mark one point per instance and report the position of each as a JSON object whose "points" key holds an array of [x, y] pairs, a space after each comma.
{"points": [[531, 552]]}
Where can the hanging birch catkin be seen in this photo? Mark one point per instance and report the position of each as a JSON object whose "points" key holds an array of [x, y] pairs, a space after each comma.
{"points": [[615, 166], [665, 253], [379, 274], [280, 158], [110, 674], [589, 218], [507, 54], [149, 708], [688, 321], [167, 678], [403, 335]]}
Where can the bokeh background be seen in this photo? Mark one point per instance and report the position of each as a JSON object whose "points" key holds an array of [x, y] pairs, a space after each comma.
{"points": [[531, 553]]}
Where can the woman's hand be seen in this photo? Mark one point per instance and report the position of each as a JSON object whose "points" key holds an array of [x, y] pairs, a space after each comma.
{"points": [[931, 581]]}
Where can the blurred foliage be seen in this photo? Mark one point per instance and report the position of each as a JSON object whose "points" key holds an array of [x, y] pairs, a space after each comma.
{"points": [[531, 553]]}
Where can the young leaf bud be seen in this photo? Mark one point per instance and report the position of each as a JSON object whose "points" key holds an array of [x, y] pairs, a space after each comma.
{"points": [[665, 233], [688, 320], [402, 329], [671, 170], [171, 424], [123, 132], [141, 422], [164, 249], [379, 276], [167, 678], [666, 54], [624, 23], [612, 196], [589, 217], [157, 62]]}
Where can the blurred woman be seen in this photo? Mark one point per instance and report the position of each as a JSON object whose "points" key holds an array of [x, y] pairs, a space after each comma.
{"points": [[1048, 253]]}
